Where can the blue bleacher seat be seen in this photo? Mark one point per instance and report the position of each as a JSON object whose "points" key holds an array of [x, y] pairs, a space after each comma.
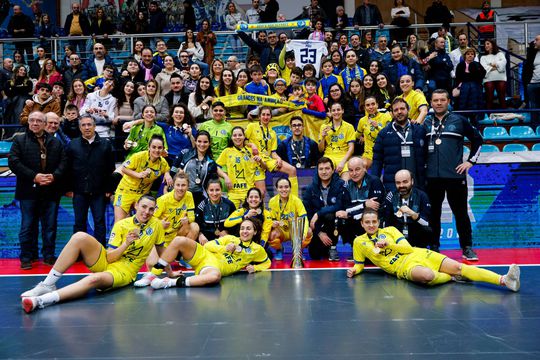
{"points": [[5, 146], [536, 147], [495, 132], [4, 162], [489, 148], [538, 131], [515, 148], [520, 132]]}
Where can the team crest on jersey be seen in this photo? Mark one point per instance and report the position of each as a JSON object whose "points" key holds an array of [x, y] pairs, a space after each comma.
{"points": [[112, 235], [149, 231], [223, 132], [382, 236], [333, 200], [341, 136], [156, 172], [247, 250], [237, 159], [257, 172], [451, 127], [246, 157]]}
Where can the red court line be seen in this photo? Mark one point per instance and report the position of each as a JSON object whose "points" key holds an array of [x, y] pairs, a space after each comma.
{"points": [[521, 256]]}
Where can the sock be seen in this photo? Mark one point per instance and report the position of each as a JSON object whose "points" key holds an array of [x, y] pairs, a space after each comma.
{"points": [[477, 274], [440, 278], [161, 264], [52, 277], [294, 185], [48, 299], [187, 282]]}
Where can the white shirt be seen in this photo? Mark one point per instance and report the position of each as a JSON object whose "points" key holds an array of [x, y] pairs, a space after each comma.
{"points": [[308, 52], [497, 74], [99, 66]]}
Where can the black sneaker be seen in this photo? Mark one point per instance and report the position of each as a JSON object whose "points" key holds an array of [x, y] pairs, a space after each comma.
{"points": [[26, 265], [469, 254], [49, 260], [333, 254]]}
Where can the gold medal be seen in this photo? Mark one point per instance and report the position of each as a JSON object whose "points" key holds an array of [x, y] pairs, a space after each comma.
{"points": [[438, 142], [238, 248], [216, 232], [376, 250], [298, 165], [197, 181], [281, 223], [43, 156], [259, 211], [399, 213], [336, 232]]}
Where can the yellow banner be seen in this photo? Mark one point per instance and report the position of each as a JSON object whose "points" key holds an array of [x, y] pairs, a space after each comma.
{"points": [[281, 124], [257, 100], [298, 24]]}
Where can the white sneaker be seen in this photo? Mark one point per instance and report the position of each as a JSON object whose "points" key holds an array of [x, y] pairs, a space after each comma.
{"points": [[145, 280], [164, 283], [40, 289], [511, 279], [29, 304]]}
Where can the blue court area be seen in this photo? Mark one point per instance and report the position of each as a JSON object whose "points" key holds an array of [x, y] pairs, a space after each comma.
{"points": [[309, 314]]}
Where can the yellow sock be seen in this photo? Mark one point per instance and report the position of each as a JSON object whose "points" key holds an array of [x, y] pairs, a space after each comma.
{"points": [[477, 274], [440, 278], [156, 272], [294, 185]]}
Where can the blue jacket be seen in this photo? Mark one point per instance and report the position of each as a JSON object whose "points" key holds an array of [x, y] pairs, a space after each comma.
{"points": [[387, 154], [371, 187], [311, 152], [440, 67], [89, 67], [418, 202], [264, 49], [338, 197], [395, 69]]}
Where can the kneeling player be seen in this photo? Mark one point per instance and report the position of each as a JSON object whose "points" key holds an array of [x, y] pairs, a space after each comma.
{"points": [[388, 249], [221, 257], [130, 243]]}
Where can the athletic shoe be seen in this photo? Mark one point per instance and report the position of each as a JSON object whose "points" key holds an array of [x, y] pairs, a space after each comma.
{"points": [[511, 279], [460, 279], [469, 254], [185, 264], [40, 289], [26, 265], [145, 280], [333, 254], [50, 260], [279, 255], [29, 304], [164, 283]]}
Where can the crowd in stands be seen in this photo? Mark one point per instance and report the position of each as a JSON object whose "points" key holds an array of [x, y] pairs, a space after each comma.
{"points": [[164, 113]]}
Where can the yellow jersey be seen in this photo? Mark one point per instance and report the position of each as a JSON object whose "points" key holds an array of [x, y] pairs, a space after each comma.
{"points": [[390, 259], [337, 140], [237, 217], [415, 100], [240, 166], [173, 211], [264, 138], [293, 208], [369, 132], [139, 162], [135, 255], [249, 253]]}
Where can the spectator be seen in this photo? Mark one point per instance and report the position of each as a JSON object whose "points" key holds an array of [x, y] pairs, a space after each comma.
{"points": [[352, 70], [356, 94], [195, 53], [446, 171], [233, 18], [38, 187], [375, 67], [70, 121], [227, 86], [313, 12], [385, 92], [531, 79], [252, 14], [486, 15], [438, 13], [74, 71], [19, 60], [148, 66], [157, 21], [152, 97], [21, 26], [318, 31], [269, 13], [234, 65], [362, 54], [177, 94], [408, 210], [367, 40], [101, 105], [45, 31], [298, 150], [269, 52], [343, 44], [400, 145], [77, 24], [340, 20], [400, 14], [6, 72], [458, 54], [96, 82], [160, 54], [90, 165], [53, 128], [49, 73], [469, 77], [322, 199], [190, 83], [208, 40], [164, 77], [367, 15], [336, 94], [102, 26], [37, 64], [77, 93], [200, 101], [494, 62], [95, 64], [189, 15], [439, 74], [132, 71], [18, 90], [42, 101], [400, 65], [141, 26], [449, 41], [381, 52], [412, 47], [216, 68]]}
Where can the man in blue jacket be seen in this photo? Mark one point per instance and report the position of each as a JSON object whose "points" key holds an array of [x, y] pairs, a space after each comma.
{"points": [[299, 150], [95, 64], [269, 51], [402, 65], [400, 145], [322, 199], [439, 74]]}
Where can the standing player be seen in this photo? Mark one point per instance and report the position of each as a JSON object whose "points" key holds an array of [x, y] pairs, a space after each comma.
{"points": [[218, 128], [131, 241], [221, 257], [369, 127], [388, 249]]}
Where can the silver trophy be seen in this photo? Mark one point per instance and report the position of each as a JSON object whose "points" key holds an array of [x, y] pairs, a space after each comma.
{"points": [[297, 236]]}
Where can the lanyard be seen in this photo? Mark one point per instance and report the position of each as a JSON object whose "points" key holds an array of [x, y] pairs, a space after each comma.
{"points": [[266, 137], [282, 210], [403, 138], [298, 150], [215, 214]]}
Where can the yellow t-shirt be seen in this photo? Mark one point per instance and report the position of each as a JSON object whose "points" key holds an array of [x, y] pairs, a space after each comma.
{"points": [[75, 28], [337, 141], [139, 162], [150, 234], [237, 217], [264, 138], [415, 100], [172, 210], [293, 208], [240, 166], [370, 132]]}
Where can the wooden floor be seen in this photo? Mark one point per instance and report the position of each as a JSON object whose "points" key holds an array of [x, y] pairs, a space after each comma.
{"points": [[309, 314]]}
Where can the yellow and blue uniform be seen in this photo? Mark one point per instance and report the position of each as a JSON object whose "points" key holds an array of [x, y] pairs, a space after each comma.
{"points": [[370, 132], [415, 100], [323, 85], [266, 141], [398, 258], [237, 217], [124, 270], [293, 208], [242, 171], [337, 141], [130, 189], [173, 211], [213, 254]]}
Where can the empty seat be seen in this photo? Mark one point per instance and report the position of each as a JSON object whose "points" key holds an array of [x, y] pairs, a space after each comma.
{"points": [[521, 132], [489, 148], [538, 131], [5, 146], [495, 132], [4, 162], [536, 147], [515, 148]]}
